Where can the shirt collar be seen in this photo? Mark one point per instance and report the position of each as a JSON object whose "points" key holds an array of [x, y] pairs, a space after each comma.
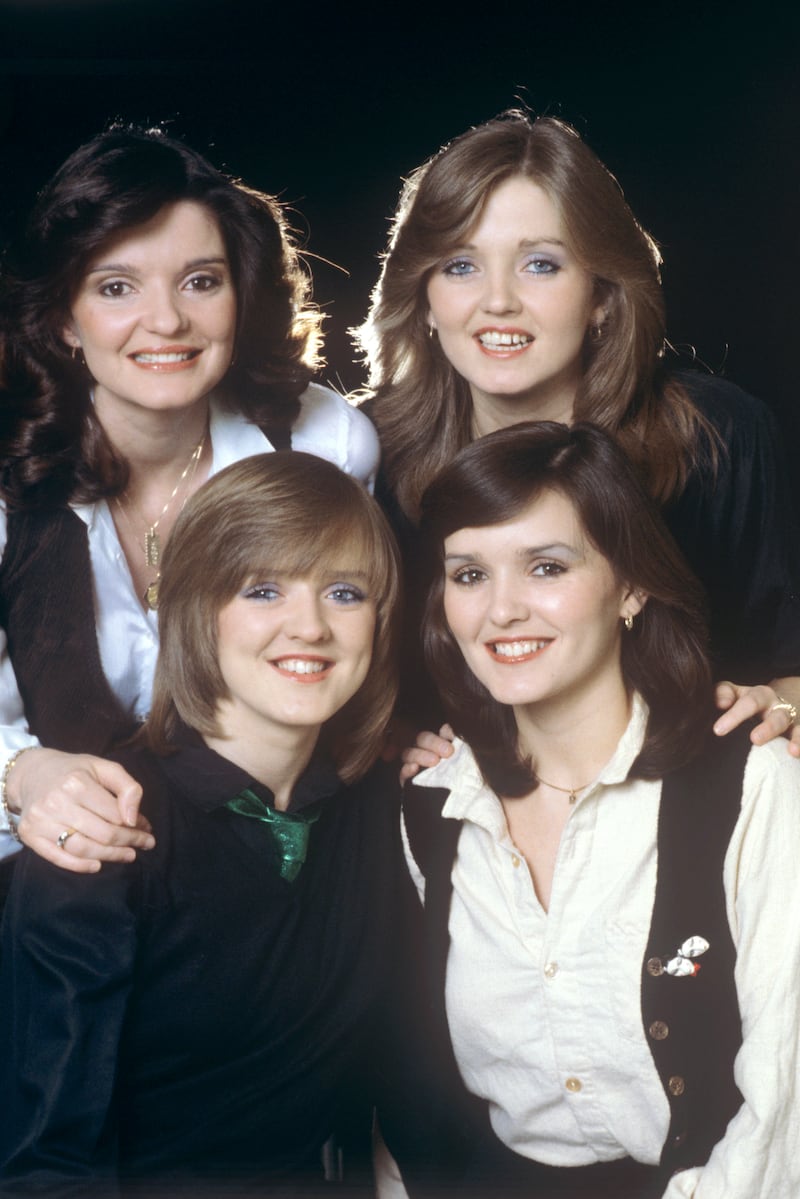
{"points": [[232, 437], [472, 799], [208, 780]]}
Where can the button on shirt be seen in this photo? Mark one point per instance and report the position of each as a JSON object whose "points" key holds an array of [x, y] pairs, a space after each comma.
{"points": [[127, 634], [544, 1007]]}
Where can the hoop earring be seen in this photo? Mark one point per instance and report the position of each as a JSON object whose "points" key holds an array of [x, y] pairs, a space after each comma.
{"points": [[628, 622], [431, 333]]}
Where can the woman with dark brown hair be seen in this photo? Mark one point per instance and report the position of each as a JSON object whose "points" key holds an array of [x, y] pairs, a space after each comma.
{"points": [[206, 1017], [518, 285], [155, 326], [610, 892]]}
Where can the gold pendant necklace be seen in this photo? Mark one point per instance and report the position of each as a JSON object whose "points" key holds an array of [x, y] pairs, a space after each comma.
{"points": [[152, 541], [572, 792]]}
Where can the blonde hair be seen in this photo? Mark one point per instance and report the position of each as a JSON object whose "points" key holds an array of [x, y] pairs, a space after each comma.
{"points": [[288, 512], [422, 407]]}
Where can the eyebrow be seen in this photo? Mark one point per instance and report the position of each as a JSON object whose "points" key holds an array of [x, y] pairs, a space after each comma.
{"points": [[125, 268], [525, 243], [329, 575], [526, 552]]}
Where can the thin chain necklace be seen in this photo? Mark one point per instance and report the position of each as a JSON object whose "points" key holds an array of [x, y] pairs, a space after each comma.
{"points": [[572, 792], [152, 540]]}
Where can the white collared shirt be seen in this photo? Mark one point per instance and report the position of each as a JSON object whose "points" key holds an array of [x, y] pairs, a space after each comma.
{"points": [[127, 634], [545, 1008]]}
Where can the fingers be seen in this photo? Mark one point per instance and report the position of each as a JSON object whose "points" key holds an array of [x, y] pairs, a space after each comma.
{"points": [[777, 722], [436, 744], [745, 703], [725, 694], [429, 750], [84, 796], [114, 779], [407, 771]]}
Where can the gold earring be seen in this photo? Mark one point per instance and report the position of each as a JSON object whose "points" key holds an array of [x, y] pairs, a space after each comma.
{"points": [[628, 621]]}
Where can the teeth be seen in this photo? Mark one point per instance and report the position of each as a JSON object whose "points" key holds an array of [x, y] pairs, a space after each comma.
{"points": [[493, 337], [517, 649], [165, 359], [302, 666]]}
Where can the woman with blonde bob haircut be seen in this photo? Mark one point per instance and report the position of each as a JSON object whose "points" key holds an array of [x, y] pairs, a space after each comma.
{"points": [[303, 530], [239, 972], [518, 285]]}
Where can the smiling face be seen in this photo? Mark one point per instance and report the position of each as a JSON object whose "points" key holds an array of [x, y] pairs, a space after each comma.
{"points": [[292, 651], [512, 307], [536, 610], [155, 314]]}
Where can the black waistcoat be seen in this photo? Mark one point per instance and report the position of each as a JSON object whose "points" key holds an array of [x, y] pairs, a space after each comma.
{"points": [[692, 1024], [47, 610]]}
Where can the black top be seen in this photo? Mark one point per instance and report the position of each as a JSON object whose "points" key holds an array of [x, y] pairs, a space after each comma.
{"points": [[194, 1012], [739, 533]]}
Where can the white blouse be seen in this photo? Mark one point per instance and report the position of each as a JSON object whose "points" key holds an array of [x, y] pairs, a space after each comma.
{"points": [[127, 634], [544, 1007]]}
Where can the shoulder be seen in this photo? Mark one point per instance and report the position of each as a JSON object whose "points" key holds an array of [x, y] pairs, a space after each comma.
{"points": [[772, 780], [332, 428], [728, 408]]}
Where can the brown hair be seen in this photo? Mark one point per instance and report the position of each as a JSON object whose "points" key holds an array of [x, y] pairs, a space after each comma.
{"points": [[288, 512], [422, 407], [54, 447], [663, 656]]}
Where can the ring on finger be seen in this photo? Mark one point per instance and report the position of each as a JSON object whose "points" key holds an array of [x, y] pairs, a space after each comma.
{"points": [[62, 838], [783, 705]]}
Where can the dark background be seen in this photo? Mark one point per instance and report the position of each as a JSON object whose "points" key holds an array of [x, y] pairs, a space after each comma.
{"points": [[694, 107]]}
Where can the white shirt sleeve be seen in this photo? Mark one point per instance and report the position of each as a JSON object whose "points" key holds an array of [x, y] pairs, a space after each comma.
{"points": [[333, 429], [758, 1158], [14, 733]]}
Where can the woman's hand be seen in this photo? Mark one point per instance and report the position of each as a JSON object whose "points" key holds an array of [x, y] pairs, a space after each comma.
{"points": [[741, 703], [428, 750], [94, 802]]}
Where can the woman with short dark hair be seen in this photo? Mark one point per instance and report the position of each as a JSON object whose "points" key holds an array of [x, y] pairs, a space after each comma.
{"points": [[610, 892]]}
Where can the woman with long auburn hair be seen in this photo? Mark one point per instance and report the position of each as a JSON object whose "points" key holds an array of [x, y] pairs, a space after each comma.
{"points": [[517, 284], [610, 892]]}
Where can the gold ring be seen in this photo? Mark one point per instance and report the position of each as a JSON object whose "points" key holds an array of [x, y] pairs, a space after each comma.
{"points": [[62, 838], [783, 705]]}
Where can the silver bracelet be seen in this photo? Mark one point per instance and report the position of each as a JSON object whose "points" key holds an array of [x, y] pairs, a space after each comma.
{"points": [[10, 816]]}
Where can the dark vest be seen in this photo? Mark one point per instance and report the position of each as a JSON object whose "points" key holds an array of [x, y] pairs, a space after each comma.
{"points": [[47, 610], [692, 1023]]}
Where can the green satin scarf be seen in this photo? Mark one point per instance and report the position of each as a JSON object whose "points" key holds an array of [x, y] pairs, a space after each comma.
{"points": [[289, 830]]}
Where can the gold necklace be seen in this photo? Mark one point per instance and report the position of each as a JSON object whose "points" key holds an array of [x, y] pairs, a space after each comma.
{"points": [[572, 792], [152, 541]]}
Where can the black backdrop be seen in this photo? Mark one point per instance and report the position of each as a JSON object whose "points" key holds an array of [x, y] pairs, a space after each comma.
{"points": [[694, 107]]}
